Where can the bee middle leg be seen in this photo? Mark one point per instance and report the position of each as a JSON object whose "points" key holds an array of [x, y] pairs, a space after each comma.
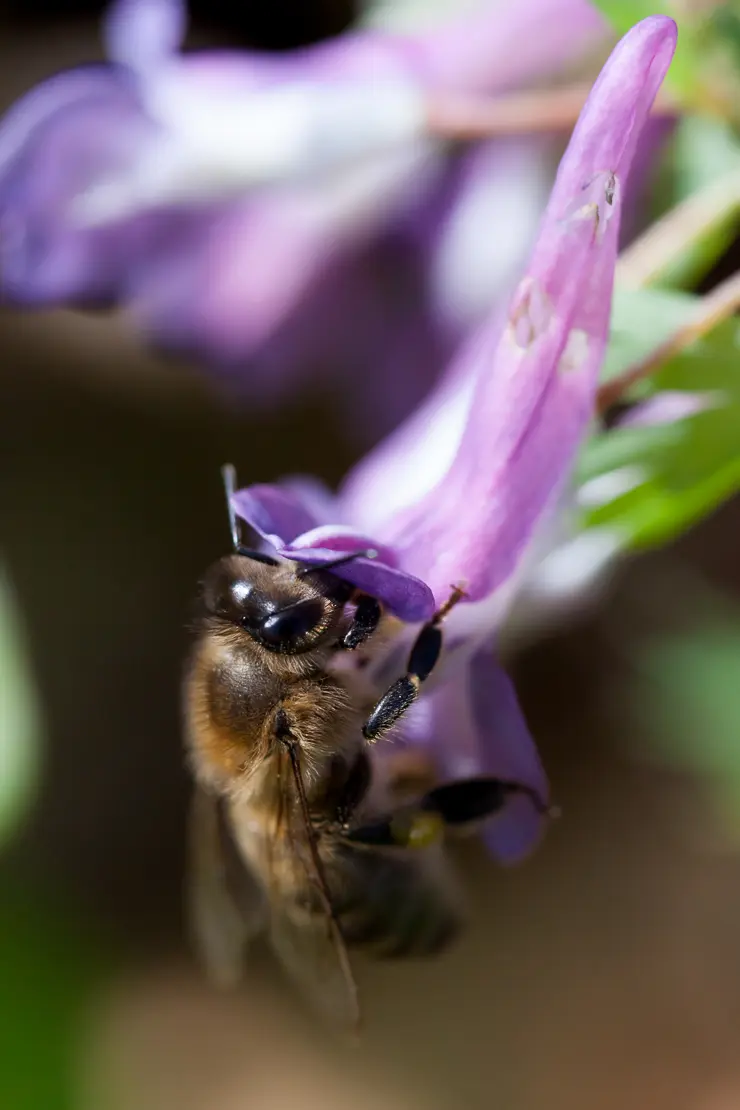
{"points": [[423, 658]]}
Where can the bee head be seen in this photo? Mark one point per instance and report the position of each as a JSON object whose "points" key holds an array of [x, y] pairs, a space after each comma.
{"points": [[282, 609]]}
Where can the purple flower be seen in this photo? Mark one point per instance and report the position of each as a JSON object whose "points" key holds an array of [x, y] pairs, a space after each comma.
{"points": [[667, 407], [241, 204], [461, 492]]}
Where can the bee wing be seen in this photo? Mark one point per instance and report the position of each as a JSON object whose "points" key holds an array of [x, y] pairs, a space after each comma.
{"points": [[312, 952], [305, 936], [226, 905]]}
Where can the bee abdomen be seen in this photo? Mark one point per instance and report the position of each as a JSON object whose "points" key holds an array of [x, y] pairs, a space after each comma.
{"points": [[396, 909]]}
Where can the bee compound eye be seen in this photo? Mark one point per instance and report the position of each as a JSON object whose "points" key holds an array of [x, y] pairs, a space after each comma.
{"points": [[233, 598], [237, 601], [240, 594], [288, 627]]}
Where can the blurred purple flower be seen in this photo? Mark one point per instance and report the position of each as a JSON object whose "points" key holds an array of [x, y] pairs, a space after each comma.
{"points": [[240, 203], [462, 491], [667, 407]]}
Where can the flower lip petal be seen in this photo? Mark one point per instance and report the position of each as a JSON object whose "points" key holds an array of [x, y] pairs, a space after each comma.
{"points": [[277, 514], [513, 835], [282, 519], [508, 751], [341, 538], [405, 596]]}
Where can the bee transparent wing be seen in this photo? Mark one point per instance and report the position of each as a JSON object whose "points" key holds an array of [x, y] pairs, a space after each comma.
{"points": [[313, 954], [226, 904], [303, 928]]}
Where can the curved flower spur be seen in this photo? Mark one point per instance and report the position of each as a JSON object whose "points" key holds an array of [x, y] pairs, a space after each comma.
{"points": [[456, 495]]}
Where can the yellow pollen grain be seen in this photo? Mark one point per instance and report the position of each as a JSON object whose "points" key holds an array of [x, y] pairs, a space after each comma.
{"points": [[423, 830]]}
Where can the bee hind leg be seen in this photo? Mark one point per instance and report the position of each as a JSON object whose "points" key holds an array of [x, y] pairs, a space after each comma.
{"points": [[423, 658], [463, 804]]}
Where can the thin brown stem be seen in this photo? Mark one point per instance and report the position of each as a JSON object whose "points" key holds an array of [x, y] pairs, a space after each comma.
{"points": [[465, 118], [712, 309]]}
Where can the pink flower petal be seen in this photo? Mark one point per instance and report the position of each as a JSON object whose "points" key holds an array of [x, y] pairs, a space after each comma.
{"points": [[277, 514], [535, 381], [527, 38]]}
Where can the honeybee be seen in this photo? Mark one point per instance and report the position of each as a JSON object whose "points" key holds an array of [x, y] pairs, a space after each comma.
{"points": [[299, 828]]}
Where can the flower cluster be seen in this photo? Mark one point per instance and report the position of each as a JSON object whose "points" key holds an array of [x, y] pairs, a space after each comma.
{"points": [[461, 491], [235, 203]]}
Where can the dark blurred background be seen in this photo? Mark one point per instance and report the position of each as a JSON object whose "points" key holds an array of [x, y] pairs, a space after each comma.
{"points": [[275, 26], [604, 973]]}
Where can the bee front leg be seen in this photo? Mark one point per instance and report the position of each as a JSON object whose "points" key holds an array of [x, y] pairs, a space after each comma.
{"points": [[423, 658], [365, 621]]}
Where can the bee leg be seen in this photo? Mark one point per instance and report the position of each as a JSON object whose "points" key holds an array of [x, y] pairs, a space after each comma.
{"points": [[456, 806], [365, 621], [347, 788], [423, 658], [466, 802]]}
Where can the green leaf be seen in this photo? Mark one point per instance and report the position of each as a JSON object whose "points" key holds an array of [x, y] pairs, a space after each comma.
{"points": [[641, 320], [20, 725], [703, 161], [622, 447], [623, 14], [678, 471], [703, 148]]}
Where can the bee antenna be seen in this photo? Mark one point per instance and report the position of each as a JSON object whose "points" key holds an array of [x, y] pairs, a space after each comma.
{"points": [[370, 553], [228, 474]]}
